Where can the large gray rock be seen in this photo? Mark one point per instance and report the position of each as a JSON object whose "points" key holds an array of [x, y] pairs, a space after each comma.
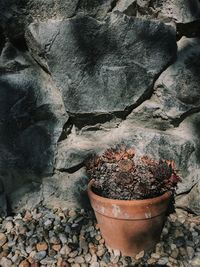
{"points": [[191, 200], [177, 10], [181, 95], [176, 92], [15, 16], [62, 190], [128, 7], [102, 67], [32, 116], [157, 144]]}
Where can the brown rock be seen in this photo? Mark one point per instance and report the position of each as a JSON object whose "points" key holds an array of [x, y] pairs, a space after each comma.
{"points": [[35, 264], [93, 250], [62, 263], [59, 262], [151, 261], [24, 263], [56, 247], [41, 246], [98, 237], [3, 239], [31, 260], [97, 226], [101, 241], [28, 216]]}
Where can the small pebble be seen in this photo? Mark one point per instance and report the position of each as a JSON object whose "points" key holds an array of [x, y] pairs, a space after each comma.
{"points": [[139, 255], [163, 261], [41, 246], [75, 265], [72, 213], [73, 254], [24, 263], [3, 239], [8, 226], [155, 255], [190, 252], [4, 262], [94, 264], [88, 257], [79, 259], [40, 255]]}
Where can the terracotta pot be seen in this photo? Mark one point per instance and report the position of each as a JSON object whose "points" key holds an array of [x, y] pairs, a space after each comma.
{"points": [[130, 225]]}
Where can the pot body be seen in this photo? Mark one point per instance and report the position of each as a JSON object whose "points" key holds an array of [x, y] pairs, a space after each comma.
{"points": [[130, 225]]}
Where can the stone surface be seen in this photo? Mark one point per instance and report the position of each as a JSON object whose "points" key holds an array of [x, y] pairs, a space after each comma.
{"points": [[177, 10], [191, 200], [167, 145], [3, 239], [128, 7], [181, 95], [41, 246], [61, 190], [173, 98], [32, 117], [91, 72], [15, 16]]}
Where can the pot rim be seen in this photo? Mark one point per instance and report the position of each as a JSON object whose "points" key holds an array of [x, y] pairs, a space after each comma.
{"points": [[132, 202]]}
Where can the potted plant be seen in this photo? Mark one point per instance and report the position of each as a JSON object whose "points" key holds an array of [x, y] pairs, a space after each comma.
{"points": [[130, 196]]}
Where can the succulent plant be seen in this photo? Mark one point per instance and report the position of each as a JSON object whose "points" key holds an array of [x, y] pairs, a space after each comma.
{"points": [[119, 174]]}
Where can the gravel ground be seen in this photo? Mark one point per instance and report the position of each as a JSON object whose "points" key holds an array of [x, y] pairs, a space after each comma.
{"points": [[60, 238]]}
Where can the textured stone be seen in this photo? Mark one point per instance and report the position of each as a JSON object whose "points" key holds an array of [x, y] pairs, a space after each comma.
{"points": [[3, 202], [191, 200], [139, 255], [190, 252], [24, 263], [181, 95], [168, 145], [32, 116], [41, 246], [16, 15], [56, 247], [6, 262], [194, 199], [128, 7], [79, 259], [3, 239], [90, 76], [196, 260], [40, 255], [176, 10], [173, 98]]}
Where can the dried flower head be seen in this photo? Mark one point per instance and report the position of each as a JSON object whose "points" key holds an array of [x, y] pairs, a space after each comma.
{"points": [[118, 174]]}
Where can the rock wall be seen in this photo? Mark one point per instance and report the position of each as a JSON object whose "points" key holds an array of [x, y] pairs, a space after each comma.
{"points": [[79, 76]]}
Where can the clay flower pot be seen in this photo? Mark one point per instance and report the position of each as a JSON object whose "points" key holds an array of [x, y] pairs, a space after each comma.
{"points": [[130, 225]]}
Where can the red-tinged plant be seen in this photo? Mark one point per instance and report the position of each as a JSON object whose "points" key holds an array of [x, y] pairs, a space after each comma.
{"points": [[119, 174]]}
